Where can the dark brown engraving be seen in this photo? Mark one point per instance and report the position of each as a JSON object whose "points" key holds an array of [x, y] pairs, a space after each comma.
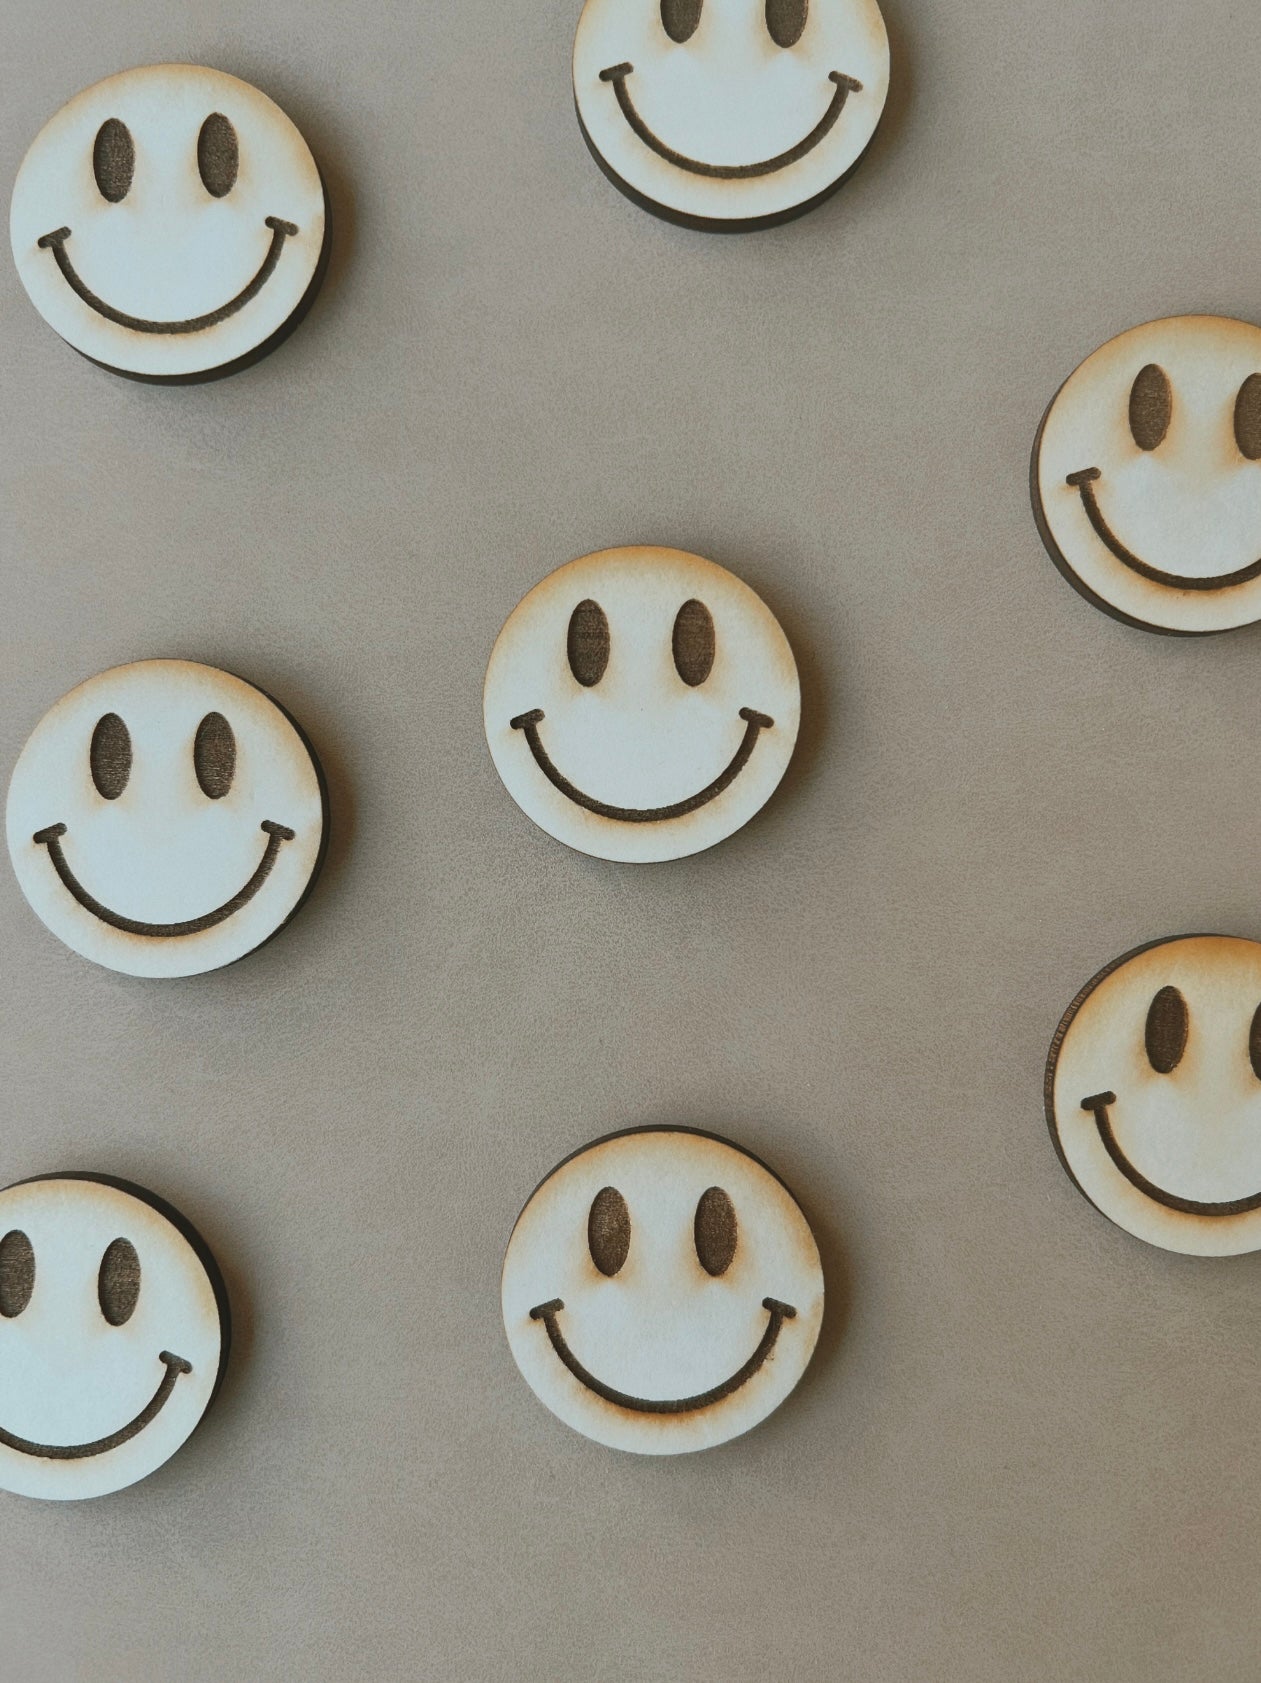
{"points": [[214, 756], [109, 756], [693, 643], [609, 1231], [118, 1283], [218, 155], [716, 1231], [1166, 1030], [17, 1273], [1151, 407]]}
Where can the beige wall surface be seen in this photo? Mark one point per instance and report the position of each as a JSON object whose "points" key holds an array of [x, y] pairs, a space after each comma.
{"points": [[1028, 1446]]}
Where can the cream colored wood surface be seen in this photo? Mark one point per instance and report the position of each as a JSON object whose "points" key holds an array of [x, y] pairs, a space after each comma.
{"points": [[643, 756], [165, 818], [1154, 1094], [729, 113], [113, 1336], [662, 1291], [1147, 483], [169, 222]]}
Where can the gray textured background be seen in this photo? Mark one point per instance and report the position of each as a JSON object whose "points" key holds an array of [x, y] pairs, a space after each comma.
{"points": [[1028, 1447]]}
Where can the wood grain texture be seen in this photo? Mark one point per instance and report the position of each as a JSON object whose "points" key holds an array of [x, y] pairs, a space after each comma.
{"points": [[193, 240]]}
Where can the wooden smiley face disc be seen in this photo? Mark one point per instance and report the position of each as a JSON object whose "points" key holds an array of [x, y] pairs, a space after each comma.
{"points": [[170, 223], [166, 818], [641, 704], [1153, 1093], [113, 1336], [662, 1291], [729, 114], [1147, 476]]}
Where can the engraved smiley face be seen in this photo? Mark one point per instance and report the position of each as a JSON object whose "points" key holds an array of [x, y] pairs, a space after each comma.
{"points": [[170, 223], [729, 114], [1153, 1093], [641, 704], [166, 818], [662, 1291], [1147, 476], [114, 1335]]}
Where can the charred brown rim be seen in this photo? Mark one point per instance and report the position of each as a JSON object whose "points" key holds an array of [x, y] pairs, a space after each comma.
{"points": [[1084, 482], [56, 243], [755, 723], [616, 74], [777, 1311], [51, 839], [1099, 1104], [175, 1366]]}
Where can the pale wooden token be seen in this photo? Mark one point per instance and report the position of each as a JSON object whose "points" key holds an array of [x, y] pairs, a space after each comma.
{"points": [[729, 114], [1153, 1093], [170, 223], [641, 704], [114, 1332], [165, 818], [1147, 476], [662, 1291]]}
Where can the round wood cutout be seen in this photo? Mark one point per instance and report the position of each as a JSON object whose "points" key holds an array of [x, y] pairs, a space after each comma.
{"points": [[166, 818], [662, 1291], [1153, 1093], [641, 704], [729, 114], [114, 1334], [170, 223], [1147, 476]]}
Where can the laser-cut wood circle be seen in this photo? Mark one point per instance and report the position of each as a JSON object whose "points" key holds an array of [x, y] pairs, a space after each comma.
{"points": [[166, 818], [1146, 476], [170, 223], [662, 1291], [114, 1333], [641, 704], [1153, 1093], [729, 114]]}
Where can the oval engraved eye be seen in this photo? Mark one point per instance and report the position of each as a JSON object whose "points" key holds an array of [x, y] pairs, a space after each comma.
{"points": [[715, 1231], [588, 643], [109, 756], [693, 643], [214, 756], [218, 155], [113, 159], [17, 1273], [785, 20], [1254, 1043], [679, 18], [118, 1285], [1166, 1033], [1248, 418], [1151, 406], [608, 1230]]}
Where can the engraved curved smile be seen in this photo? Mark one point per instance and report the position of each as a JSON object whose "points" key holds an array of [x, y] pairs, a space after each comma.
{"points": [[1099, 1104], [51, 839], [175, 1366], [844, 86], [56, 243], [755, 723], [777, 1311], [1084, 482]]}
